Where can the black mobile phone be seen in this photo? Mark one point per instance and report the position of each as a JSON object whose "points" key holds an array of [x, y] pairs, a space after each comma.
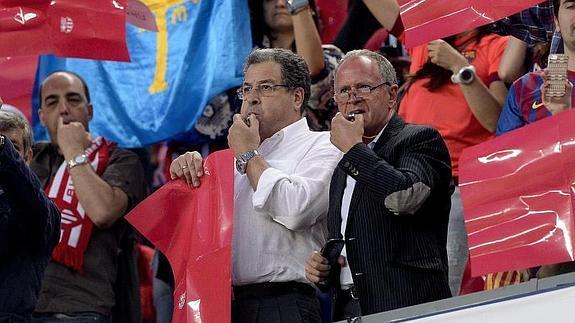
{"points": [[332, 249]]}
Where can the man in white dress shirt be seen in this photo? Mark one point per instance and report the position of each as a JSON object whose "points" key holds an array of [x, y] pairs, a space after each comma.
{"points": [[281, 190]]}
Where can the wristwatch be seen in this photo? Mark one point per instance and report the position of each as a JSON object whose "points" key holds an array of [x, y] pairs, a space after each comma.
{"points": [[295, 6], [77, 160], [242, 161], [465, 75]]}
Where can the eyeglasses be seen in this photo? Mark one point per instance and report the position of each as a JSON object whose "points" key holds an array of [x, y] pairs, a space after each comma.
{"points": [[261, 90], [360, 91]]}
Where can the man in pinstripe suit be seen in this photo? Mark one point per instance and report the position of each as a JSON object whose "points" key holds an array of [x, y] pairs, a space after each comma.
{"points": [[389, 197]]}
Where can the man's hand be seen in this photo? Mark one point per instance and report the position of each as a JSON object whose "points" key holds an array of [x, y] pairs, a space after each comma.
{"points": [[316, 268], [553, 104], [346, 133], [444, 55], [188, 166], [73, 139], [243, 137]]}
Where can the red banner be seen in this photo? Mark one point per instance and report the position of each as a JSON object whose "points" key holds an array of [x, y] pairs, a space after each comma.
{"points": [[193, 228], [17, 82], [67, 28], [425, 21], [518, 192]]}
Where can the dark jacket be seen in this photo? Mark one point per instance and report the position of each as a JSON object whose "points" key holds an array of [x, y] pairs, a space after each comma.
{"points": [[29, 231], [397, 225]]}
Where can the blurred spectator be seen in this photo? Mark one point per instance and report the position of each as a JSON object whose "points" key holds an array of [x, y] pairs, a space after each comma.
{"points": [[455, 88], [92, 274], [389, 198], [527, 103], [534, 37], [29, 222]]}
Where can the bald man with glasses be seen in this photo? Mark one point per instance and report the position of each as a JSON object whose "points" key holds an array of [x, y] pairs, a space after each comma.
{"points": [[389, 198]]}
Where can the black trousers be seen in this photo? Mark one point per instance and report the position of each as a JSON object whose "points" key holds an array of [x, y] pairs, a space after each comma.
{"points": [[346, 306], [285, 302]]}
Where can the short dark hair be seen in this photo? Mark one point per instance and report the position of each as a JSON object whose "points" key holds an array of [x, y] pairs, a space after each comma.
{"points": [[295, 72], [11, 121], [556, 4], [86, 91]]}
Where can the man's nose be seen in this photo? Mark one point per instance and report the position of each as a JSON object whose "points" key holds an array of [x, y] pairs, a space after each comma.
{"points": [[63, 107], [280, 3]]}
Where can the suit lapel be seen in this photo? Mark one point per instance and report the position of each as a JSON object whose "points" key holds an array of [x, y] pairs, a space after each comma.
{"points": [[339, 179], [393, 127]]}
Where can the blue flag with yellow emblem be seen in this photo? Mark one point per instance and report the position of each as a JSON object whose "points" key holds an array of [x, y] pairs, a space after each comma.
{"points": [[197, 53]]}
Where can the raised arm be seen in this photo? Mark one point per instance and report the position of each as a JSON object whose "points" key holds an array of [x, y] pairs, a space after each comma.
{"points": [[308, 41]]}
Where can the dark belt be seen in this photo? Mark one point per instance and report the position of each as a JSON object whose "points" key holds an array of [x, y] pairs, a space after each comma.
{"points": [[271, 290]]}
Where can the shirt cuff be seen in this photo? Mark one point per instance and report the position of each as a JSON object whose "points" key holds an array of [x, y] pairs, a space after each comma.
{"points": [[266, 184]]}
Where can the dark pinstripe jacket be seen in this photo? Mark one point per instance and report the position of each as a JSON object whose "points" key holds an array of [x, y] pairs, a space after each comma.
{"points": [[397, 225]]}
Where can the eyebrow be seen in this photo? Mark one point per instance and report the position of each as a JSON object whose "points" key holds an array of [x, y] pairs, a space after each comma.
{"points": [[265, 81], [68, 95]]}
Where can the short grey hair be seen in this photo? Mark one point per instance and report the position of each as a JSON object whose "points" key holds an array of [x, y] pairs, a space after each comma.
{"points": [[295, 72], [386, 70], [10, 121]]}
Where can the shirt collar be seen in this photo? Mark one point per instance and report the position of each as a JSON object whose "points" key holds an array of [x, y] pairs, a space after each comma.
{"points": [[290, 132], [372, 143]]}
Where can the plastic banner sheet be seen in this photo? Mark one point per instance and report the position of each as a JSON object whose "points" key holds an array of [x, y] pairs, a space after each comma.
{"points": [[518, 192], [427, 20], [67, 28], [197, 53], [193, 228], [17, 81]]}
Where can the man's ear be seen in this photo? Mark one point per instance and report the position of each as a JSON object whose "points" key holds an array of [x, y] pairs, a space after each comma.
{"points": [[90, 111], [393, 91], [299, 96], [41, 117]]}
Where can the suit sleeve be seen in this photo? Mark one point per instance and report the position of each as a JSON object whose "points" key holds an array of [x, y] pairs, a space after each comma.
{"points": [[31, 214], [422, 165]]}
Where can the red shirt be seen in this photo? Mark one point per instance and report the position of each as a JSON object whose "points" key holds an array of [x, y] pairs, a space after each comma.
{"points": [[446, 108]]}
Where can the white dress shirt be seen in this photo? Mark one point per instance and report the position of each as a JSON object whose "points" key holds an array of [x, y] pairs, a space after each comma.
{"points": [[345, 278], [284, 220]]}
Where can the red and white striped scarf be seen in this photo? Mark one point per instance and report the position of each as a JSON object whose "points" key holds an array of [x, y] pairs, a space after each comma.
{"points": [[76, 227]]}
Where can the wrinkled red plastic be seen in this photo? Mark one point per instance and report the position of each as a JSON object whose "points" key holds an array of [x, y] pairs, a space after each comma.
{"points": [[67, 28], [518, 193], [193, 228], [427, 20]]}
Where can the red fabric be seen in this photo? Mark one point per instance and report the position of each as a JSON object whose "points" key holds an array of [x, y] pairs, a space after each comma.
{"points": [[446, 109], [471, 284], [517, 192], [76, 226], [193, 228], [425, 21], [332, 15], [70, 28], [17, 82], [146, 277], [376, 40]]}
